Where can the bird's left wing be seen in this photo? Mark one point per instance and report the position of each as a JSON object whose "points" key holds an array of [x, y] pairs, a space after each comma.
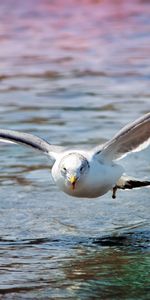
{"points": [[30, 140], [132, 138]]}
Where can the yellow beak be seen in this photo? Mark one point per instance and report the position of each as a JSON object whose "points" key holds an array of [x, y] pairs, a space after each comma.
{"points": [[73, 180]]}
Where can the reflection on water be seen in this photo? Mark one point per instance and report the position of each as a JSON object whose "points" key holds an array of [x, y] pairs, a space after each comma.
{"points": [[71, 268], [73, 72]]}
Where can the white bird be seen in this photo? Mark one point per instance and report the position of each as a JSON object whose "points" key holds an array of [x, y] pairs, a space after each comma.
{"points": [[92, 173]]}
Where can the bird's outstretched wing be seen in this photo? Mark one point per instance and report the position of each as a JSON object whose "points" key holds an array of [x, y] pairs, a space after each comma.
{"points": [[29, 140], [132, 138]]}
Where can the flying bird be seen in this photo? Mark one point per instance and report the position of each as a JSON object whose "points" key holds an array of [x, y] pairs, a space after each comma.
{"points": [[91, 173]]}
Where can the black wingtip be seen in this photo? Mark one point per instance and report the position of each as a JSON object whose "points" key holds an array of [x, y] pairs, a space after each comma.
{"points": [[131, 184]]}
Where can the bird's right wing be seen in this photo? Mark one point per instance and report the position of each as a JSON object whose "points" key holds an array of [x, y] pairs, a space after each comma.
{"points": [[30, 140]]}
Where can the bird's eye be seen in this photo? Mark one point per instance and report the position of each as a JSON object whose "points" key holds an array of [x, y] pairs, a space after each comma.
{"points": [[64, 169], [81, 169]]}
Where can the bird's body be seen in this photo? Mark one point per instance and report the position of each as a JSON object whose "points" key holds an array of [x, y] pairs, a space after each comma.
{"points": [[90, 174], [100, 178]]}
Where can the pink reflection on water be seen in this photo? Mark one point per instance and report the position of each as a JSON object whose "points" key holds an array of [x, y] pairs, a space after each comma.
{"points": [[85, 34]]}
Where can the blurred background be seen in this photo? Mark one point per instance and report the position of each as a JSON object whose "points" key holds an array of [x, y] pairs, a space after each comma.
{"points": [[73, 72]]}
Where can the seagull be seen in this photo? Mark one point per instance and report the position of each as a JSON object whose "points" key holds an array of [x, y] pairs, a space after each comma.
{"points": [[91, 173]]}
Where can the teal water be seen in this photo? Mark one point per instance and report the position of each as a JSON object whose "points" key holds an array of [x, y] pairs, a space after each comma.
{"points": [[73, 72]]}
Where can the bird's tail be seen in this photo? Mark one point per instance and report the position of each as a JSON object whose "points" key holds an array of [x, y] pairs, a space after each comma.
{"points": [[128, 183]]}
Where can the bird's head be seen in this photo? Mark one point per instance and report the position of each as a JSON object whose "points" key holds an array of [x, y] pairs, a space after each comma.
{"points": [[73, 168]]}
